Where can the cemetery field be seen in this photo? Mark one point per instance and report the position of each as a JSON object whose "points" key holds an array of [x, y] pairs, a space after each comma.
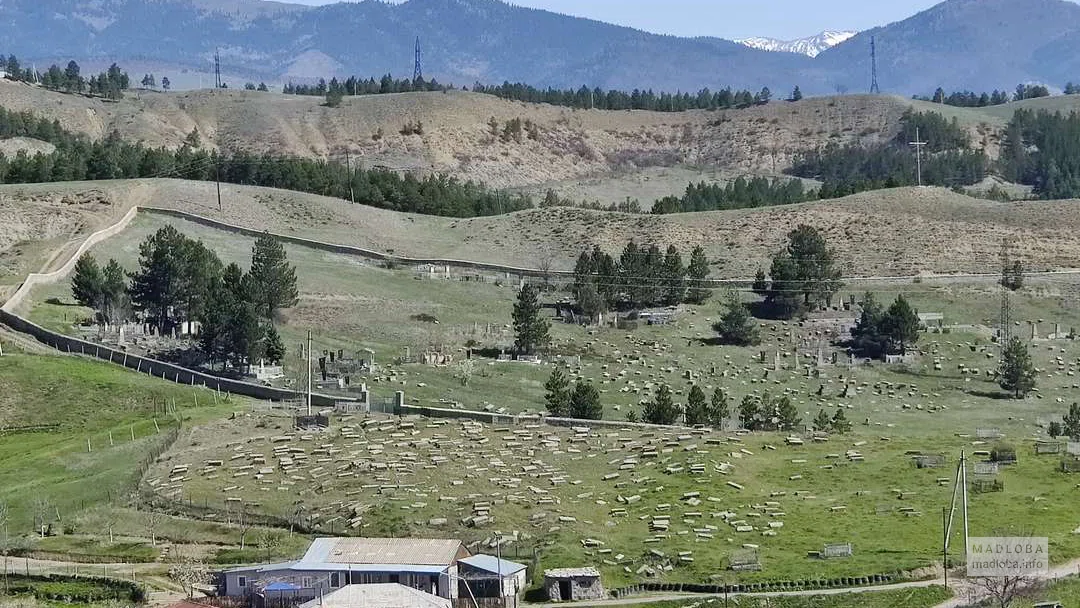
{"points": [[673, 506]]}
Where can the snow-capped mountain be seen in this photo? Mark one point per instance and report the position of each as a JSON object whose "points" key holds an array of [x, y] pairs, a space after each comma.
{"points": [[804, 46]]}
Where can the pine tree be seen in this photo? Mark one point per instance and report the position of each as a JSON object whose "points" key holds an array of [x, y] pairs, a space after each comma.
{"points": [[1071, 422], [822, 421], [719, 409], [750, 413], [557, 394], [1017, 374], [661, 409], [115, 304], [156, 285], [901, 324], [86, 281], [796, 94], [736, 326], [1054, 429], [761, 283], [674, 277], [783, 295], [585, 402], [787, 415], [273, 346], [840, 422], [697, 409], [530, 328], [697, 272], [273, 279]]}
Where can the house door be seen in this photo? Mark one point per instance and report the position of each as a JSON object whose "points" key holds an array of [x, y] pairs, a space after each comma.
{"points": [[565, 590]]}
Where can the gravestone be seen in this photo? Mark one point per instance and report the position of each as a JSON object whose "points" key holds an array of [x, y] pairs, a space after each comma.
{"points": [[837, 550]]}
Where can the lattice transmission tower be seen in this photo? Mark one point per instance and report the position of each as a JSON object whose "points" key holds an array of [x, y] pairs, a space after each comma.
{"points": [[874, 90], [418, 70]]}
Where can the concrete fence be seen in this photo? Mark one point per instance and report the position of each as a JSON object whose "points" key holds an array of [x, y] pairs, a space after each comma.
{"points": [[153, 367]]}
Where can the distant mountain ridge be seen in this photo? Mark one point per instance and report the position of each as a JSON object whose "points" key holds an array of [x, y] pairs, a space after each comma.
{"points": [[810, 46], [958, 44]]}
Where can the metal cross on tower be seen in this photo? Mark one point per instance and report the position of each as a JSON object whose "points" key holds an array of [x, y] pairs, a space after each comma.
{"points": [[918, 144], [874, 90], [418, 71], [217, 70]]}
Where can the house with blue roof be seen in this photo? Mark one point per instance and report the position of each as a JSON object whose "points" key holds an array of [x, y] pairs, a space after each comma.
{"points": [[428, 565]]}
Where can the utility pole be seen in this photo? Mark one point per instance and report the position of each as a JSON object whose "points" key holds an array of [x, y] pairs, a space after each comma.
{"points": [[918, 144], [348, 168], [964, 493], [217, 181], [945, 544], [1005, 316], [309, 372]]}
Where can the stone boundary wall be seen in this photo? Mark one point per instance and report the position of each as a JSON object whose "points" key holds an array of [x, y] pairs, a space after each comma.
{"points": [[153, 367], [35, 279]]}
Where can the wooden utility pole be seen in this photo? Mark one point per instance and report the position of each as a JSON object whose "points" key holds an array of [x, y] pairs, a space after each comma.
{"points": [[217, 181], [309, 372], [348, 169]]}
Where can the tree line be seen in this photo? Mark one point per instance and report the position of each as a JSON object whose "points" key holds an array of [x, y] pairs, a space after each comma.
{"points": [[179, 280], [948, 159], [359, 86], [78, 158], [737, 194], [967, 99], [596, 98], [1039, 149], [109, 84], [642, 276]]}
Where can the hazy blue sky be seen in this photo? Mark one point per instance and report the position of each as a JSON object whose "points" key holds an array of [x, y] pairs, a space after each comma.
{"points": [[734, 18]]}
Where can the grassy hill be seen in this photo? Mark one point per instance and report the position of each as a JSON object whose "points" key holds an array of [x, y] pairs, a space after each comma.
{"points": [[904, 231], [457, 138]]}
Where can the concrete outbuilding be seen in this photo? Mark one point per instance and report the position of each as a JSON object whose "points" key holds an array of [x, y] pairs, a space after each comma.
{"points": [[573, 584]]}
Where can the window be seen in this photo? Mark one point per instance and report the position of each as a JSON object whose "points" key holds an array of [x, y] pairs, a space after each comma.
{"points": [[305, 582], [335, 580], [241, 581]]}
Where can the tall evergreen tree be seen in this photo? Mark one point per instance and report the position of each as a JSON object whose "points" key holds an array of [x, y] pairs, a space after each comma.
{"points": [[901, 324], [674, 277], [736, 326], [585, 402], [557, 394], [1017, 373], [530, 328], [697, 407], [273, 279], [785, 288], [697, 272], [719, 409], [787, 415], [661, 409], [156, 285], [86, 281], [840, 422], [115, 304], [750, 413], [822, 421], [1071, 422], [273, 345]]}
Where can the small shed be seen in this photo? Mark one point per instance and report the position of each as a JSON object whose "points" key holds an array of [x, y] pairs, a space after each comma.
{"points": [[482, 573], [573, 584]]}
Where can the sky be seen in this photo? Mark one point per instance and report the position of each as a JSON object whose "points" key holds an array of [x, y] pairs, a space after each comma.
{"points": [[784, 19]]}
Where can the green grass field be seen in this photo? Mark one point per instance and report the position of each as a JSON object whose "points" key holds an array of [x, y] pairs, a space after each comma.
{"points": [[87, 401], [905, 598]]}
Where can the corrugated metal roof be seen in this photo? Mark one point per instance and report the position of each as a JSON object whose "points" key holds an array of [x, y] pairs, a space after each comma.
{"points": [[385, 551], [492, 564], [263, 567], [383, 595], [572, 572]]}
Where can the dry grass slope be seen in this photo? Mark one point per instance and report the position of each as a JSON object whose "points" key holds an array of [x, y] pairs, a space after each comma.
{"points": [[904, 231], [571, 144]]}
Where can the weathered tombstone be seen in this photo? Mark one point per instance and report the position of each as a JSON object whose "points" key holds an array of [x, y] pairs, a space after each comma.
{"points": [[837, 550]]}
